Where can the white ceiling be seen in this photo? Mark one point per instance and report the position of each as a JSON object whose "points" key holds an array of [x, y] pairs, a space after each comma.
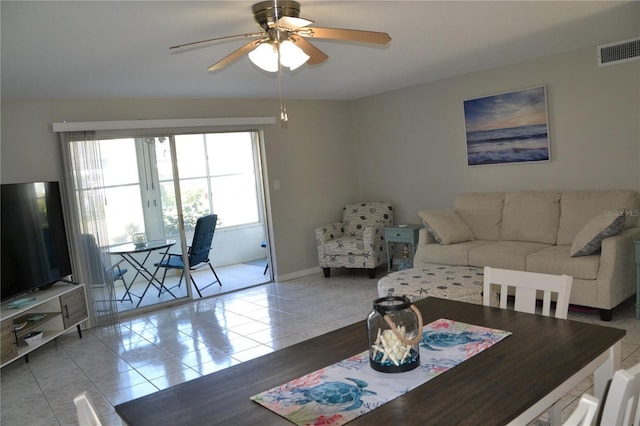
{"points": [[116, 49]]}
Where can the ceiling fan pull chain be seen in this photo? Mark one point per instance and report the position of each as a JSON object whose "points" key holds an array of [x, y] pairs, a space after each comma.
{"points": [[283, 109], [283, 113]]}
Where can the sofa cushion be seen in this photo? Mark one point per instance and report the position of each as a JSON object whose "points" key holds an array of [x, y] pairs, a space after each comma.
{"points": [[531, 216], [579, 207], [446, 226], [482, 212], [504, 254], [556, 260], [589, 239], [452, 254]]}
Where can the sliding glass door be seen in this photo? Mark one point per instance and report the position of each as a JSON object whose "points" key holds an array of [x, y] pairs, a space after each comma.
{"points": [[151, 182]]}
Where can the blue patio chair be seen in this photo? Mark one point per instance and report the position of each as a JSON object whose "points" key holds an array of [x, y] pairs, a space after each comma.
{"points": [[198, 253]]}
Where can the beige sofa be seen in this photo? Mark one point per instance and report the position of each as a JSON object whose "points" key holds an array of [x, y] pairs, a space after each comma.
{"points": [[586, 234]]}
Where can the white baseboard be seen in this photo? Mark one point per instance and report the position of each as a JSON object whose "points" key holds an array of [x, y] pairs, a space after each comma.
{"points": [[298, 274]]}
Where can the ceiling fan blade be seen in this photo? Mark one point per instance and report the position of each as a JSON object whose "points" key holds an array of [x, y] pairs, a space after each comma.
{"points": [[345, 34], [179, 46], [235, 55], [316, 56], [292, 23]]}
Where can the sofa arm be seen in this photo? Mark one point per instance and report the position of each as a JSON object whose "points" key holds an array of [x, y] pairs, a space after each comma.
{"points": [[425, 237], [329, 232], [617, 267]]}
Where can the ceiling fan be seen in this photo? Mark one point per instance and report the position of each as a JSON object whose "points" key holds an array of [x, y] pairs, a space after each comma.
{"points": [[282, 40]]}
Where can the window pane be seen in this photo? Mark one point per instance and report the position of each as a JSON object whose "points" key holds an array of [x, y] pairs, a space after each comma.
{"points": [[230, 153], [195, 204], [163, 159], [235, 200], [169, 210], [124, 213], [119, 162], [192, 160], [233, 186], [122, 190]]}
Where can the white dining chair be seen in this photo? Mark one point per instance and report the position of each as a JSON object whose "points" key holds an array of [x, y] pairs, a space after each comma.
{"points": [[87, 414], [620, 406], [585, 412], [635, 370], [525, 287]]}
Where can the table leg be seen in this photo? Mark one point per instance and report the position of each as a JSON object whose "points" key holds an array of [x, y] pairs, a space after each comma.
{"points": [[135, 264], [146, 274], [151, 282], [143, 293], [127, 291], [128, 288], [162, 286], [555, 414]]}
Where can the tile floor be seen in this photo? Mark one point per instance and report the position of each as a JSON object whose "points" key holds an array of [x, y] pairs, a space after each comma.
{"points": [[233, 277], [145, 353]]}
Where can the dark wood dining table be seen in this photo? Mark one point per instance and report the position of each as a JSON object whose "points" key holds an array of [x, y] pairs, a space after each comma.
{"points": [[512, 382]]}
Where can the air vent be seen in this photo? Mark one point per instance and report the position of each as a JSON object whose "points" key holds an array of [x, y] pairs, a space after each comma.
{"points": [[619, 52]]}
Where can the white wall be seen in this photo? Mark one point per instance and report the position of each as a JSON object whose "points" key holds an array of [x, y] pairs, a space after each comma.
{"points": [[231, 246], [412, 149]]}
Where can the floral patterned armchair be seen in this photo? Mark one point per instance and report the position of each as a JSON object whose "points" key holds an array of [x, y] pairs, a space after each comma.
{"points": [[357, 241]]}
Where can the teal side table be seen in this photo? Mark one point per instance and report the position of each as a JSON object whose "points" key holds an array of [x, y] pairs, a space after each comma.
{"points": [[407, 234], [637, 243]]}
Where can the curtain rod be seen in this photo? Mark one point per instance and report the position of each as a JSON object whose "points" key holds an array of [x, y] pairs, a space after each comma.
{"points": [[73, 126]]}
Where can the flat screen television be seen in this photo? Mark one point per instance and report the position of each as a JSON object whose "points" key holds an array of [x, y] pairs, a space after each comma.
{"points": [[35, 253]]}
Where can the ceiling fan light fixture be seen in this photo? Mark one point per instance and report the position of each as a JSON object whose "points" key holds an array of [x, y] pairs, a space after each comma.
{"points": [[292, 56], [265, 56]]}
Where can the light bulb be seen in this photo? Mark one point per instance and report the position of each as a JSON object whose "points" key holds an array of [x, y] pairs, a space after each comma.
{"points": [[292, 56], [265, 56]]}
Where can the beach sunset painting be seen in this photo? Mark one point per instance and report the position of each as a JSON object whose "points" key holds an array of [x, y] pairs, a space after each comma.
{"points": [[507, 128]]}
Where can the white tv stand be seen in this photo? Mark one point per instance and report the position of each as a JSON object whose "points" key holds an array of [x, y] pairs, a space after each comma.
{"points": [[54, 311]]}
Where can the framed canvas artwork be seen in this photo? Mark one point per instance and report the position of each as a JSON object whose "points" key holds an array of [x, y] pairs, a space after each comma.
{"points": [[507, 128]]}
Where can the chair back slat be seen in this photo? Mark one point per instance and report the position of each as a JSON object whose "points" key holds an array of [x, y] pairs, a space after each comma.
{"points": [[527, 286], [546, 304], [621, 402], [525, 298], [202, 238]]}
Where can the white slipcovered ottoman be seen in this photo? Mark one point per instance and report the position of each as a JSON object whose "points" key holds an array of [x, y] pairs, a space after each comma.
{"points": [[463, 283]]}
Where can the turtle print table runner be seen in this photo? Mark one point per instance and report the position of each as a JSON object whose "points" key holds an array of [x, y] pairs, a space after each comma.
{"points": [[350, 388]]}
